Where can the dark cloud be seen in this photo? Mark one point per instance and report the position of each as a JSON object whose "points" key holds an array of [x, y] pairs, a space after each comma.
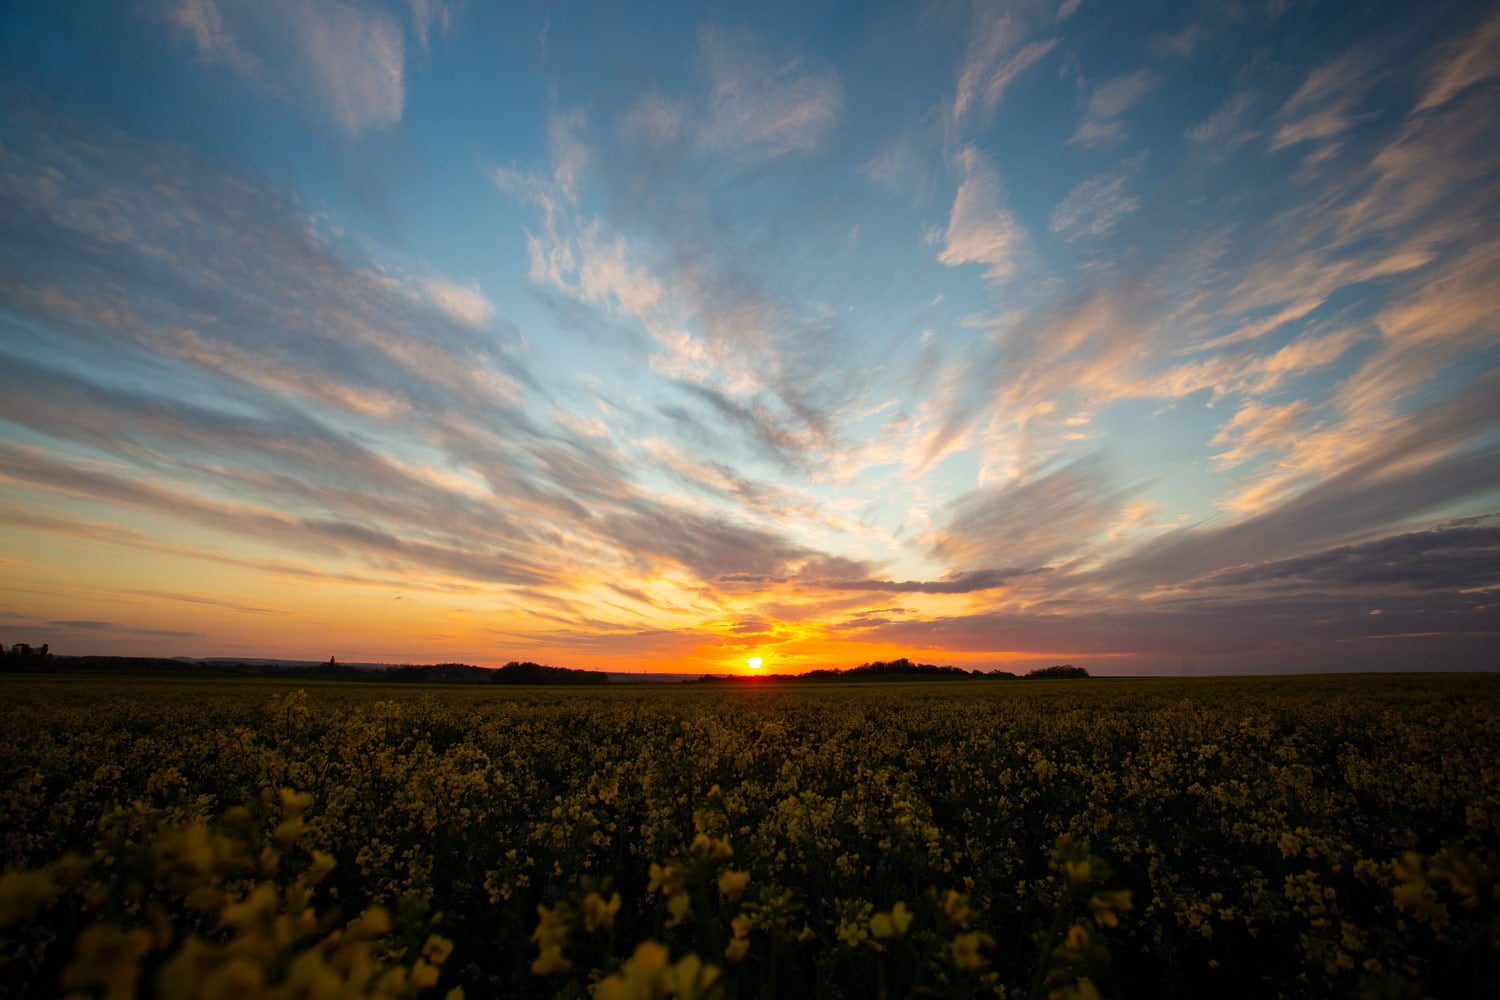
{"points": [[245, 362], [961, 583], [1033, 520], [244, 609], [750, 627], [749, 578], [779, 440], [1445, 559], [1401, 480], [88, 625], [711, 548], [1292, 627]]}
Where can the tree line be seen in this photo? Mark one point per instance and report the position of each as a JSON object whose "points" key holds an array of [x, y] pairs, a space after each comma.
{"points": [[905, 669]]}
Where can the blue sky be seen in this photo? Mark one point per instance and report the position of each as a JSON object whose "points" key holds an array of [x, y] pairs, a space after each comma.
{"points": [[1155, 337]]}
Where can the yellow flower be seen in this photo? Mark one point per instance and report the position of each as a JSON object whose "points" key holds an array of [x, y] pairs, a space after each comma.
{"points": [[956, 909], [680, 907], [640, 978], [892, 924], [108, 957], [551, 936], [23, 893], [1105, 904], [550, 961], [666, 878], [711, 848], [966, 949], [1083, 989], [732, 884], [599, 914], [690, 978], [437, 949]]}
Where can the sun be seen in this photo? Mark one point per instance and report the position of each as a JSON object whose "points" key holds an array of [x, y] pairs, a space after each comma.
{"points": [[754, 662]]}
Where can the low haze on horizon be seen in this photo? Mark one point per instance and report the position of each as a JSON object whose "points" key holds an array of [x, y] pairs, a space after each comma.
{"points": [[1149, 337]]}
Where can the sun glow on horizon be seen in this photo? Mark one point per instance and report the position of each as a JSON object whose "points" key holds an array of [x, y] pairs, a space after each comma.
{"points": [[754, 662]]}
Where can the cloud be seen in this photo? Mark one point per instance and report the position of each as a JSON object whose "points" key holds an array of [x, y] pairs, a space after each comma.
{"points": [[1326, 106], [203, 22], [1108, 104], [997, 54], [763, 108], [1230, 373], [1033, 520], [1255, 429], [259, 423], [656, 118], [351, 58], [712, 316], [1417, 469], [711, 547], [357, 57], [1278, 633], [1181, 43], [428, 16], [960, 583], [753, 106], [236, 606], [1097, 205], [465, 304], [283, 390], [981, 230], [90, 625], [1463, 63], [1225, 129], [225, 279], [570, 151], [1460, 557]]}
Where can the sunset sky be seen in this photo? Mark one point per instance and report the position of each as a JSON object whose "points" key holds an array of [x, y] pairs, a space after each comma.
{"points": [[1151, 337]]}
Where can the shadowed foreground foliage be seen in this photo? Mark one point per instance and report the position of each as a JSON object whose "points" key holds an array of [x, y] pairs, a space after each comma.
{"points": [[1296, 836]]}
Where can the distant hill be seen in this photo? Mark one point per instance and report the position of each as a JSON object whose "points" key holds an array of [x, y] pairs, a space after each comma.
{"points": [[442, 673], [901, 670], [21, 658]]}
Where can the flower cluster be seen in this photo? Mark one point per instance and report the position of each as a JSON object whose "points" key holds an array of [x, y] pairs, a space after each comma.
{"points": [[1317, 836]]}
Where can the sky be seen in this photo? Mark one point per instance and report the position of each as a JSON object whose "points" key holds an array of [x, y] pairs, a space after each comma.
{"points": [[1152, 337]]}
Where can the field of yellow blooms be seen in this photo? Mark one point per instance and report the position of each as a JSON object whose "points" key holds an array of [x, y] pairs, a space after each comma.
{"points": [[1304, 837]]}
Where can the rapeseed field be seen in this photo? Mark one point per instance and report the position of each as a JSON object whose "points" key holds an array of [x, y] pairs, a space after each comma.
{"points": [[1300, 837]]}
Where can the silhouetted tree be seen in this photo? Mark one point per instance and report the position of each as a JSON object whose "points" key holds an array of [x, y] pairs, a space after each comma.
{"points": [[1065, 670]]}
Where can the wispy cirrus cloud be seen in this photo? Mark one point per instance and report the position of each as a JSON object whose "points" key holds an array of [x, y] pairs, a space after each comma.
{"points": [[1034, 520], [763, 107], [981, 229], [1463, 63], [974, 581], [752, 105], [1416, 470], [353, 58], [1227, 128], [1103, 118], [433, 16], [1327, 105], [1000, 49], [1022, 393], [1459, 556], [1257, 428], [283, 380], [1097, 205], [93, 625]]}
